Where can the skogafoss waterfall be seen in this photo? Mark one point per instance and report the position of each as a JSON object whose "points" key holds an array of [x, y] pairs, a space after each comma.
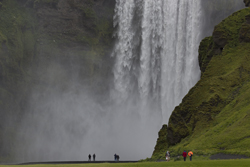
{"points": [[156, 52], [156, 63]]}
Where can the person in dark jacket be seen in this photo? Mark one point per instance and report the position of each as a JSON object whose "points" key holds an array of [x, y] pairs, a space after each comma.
{"points": [[184, 154], [89, 157], [93, 157]]}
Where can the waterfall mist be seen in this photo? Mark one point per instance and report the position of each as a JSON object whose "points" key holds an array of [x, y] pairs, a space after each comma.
{"points": [[156, 63]]}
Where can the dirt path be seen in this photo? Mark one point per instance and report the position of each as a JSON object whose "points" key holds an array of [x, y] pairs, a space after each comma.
{"points": [[74, 162]]}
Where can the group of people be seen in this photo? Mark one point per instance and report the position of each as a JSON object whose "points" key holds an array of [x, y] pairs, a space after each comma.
{"points": [[190, 154], [93, 157], [184, 154], [117, 157]]}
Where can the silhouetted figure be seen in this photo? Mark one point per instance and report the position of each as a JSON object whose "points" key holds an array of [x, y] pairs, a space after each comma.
{"points": [[93, 157], [89, 157], [115, 157]]}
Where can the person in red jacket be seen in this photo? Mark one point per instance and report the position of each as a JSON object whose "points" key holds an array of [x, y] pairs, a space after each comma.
{"points": [[184, 154]]}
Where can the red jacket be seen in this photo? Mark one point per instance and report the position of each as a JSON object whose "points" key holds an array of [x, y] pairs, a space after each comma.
{"points": [[184, 154]]}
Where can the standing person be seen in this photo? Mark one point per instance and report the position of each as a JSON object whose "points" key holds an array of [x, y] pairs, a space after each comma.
{"points": [[190, 154], [115, 157], [89, 157], [94, 157], [184, 154], [167, 156]]}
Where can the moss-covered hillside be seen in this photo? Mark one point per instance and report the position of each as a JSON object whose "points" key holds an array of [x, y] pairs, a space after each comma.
{"points": [[70, 36], [214, 116]]}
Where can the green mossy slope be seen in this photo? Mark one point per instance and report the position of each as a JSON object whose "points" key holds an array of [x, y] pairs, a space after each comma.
{"points": [[214, 116], [162, 143]]}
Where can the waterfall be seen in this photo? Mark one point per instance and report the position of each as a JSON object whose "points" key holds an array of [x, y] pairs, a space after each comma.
{"points": [[156, 63], [156, 51]]}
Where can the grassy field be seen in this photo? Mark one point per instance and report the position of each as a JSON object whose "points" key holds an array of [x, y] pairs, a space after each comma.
{"points": [[208, 163]]}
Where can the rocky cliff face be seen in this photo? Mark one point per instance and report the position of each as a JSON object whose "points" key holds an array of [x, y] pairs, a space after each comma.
{"points": [[215, 108], [247, 2], [70, 39], [232, 32], [75, 31]]}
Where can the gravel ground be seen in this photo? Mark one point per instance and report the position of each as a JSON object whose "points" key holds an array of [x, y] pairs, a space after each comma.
{"points": [[227, 156], [74, 162]]}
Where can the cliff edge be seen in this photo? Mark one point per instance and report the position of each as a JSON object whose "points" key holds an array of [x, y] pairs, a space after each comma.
{"points": [[213, 116]]}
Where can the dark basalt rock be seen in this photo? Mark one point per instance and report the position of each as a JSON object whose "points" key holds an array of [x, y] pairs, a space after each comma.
{"points": [[161, 141], [245, 30], [247, 2], [69, 18], [204, 55]]}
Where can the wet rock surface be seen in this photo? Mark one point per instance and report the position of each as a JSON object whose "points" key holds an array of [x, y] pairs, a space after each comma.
{"points": [[247, 2]]}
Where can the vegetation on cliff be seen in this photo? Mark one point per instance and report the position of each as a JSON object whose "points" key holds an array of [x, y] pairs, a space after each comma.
{"points": [[214, 116]]}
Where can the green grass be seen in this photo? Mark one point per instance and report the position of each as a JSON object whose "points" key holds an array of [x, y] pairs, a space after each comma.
{"points": [[208, 163]]}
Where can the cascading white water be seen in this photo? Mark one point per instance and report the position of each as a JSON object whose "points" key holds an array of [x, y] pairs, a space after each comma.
{"points": [[160, 63]]}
